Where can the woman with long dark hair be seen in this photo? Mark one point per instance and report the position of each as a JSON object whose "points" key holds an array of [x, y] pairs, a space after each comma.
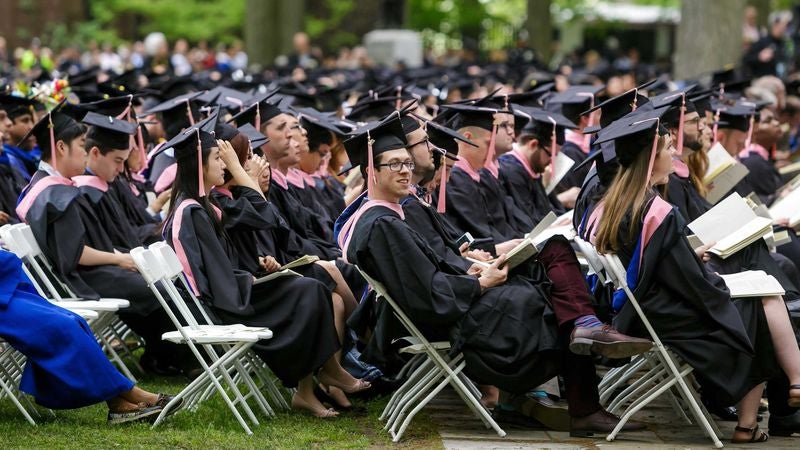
{"points": [[298, 310], [734, 345]]}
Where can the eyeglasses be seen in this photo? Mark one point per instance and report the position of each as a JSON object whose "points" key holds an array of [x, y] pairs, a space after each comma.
{"points": [[397, 166], [507, 125], [425, 141], [695, 121]]}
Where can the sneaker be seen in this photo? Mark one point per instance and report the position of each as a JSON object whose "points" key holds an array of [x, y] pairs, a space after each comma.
{"points": [[144, 413]]}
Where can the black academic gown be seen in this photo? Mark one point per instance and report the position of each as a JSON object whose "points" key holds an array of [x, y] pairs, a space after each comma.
{"points": [[333, 191], [507, 333], [763, 177], [505, 214], [529, 194], [111, 216], [297, 309], [468, 212], [303, 222], [147, 227], [254, 228], [727, 342], [682, 194]]}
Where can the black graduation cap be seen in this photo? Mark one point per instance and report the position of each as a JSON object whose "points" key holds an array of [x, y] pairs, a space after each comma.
{"points": [[469, 115], [374, 108], [445, 138], [114, 106], [16, 106], [311, 119], [542, 122], [225, 97], [572, 102], [258, 111], [633, 134], [177, 113], [59, 120], [701, 101], [737, 117], [109, 132], [254, 136], [673, 101], [189, 144], [386, 135], [616, 107]]}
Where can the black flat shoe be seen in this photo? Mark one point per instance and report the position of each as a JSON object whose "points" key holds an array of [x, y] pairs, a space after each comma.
{"points": [[325, 398], [144, 413]]}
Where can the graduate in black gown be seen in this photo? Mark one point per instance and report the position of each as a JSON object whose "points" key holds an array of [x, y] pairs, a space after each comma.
{"points": [[275, 125], [521, 169], [298, 310], [763, 176], [470, 308], [71, 236], [734, 345]]}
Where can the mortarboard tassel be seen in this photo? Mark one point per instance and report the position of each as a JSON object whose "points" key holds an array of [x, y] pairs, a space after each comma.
{"points": [[140, 144], [189, 112], [680, 125], [635, 99], [370, 168], [399, 101], [201, 190], [440, 204], [53, 150], [653, 152], [587, 139], [489, 162], [257, 123], [750, 132], [716, 127]]}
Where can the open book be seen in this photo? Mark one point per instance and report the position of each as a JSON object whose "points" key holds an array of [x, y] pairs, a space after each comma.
{"points": [[788, 207], [752, 283], [732, 224], [301, 261], [723, 173], [276, 274], [790, 169], [563, 165]]}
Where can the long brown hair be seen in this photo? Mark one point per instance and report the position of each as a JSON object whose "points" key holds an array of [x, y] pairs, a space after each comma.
{"points": [[626, 195], [698, 165]]}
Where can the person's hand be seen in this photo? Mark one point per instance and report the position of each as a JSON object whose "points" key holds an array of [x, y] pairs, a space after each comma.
{"points": [[228, 154], [256, 168], [766, 54], [4, 217], [702, 251], [480, 255], [505, 247], [569, 197], [475, 270], [494, 275], [125, 261], [269, 264], [160, 201]]}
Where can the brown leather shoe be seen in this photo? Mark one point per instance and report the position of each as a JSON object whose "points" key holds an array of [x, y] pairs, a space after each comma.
{"points": [[602, 422], [606, 341]]}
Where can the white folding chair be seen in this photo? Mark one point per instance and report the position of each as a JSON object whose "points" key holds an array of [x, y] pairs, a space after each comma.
{"points": [[11, 366], [234, 341], [667, 370], [20, 240], [434, 373], [251, 362]]}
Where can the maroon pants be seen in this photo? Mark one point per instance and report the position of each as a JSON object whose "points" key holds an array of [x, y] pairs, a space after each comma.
{"points": [[569, 295]]}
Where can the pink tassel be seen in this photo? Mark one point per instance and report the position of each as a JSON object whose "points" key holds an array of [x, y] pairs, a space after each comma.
{"points": [[489, 162], [652, 161], [680, 125], [440, 205], [53, 149], [200, 185], [716, 127], [553, 149], [140, 144], [258, 117], [189, 112], [370, 168]]}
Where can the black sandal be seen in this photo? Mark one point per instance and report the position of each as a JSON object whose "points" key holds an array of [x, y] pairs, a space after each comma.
{"points": [[756, 435], [794, 401]]}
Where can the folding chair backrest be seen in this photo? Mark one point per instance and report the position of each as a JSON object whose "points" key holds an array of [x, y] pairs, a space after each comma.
{"points": [[41, 265], [172, 270], [19, 247], [593, 259], [153, 271]]}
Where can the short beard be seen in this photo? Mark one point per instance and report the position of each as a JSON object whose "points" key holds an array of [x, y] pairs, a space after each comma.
{"points": [[694, 145], [425, 174]]}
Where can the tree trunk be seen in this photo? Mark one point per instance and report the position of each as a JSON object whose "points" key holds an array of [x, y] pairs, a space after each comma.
{"points": [[539, 25], [709, 36], [269, 27]]}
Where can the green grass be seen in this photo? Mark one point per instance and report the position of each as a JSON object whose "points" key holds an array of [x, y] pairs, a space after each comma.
{"points": [[210, 426]]}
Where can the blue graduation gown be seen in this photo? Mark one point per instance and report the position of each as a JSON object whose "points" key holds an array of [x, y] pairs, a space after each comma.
{"points": [[66, 367]]}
